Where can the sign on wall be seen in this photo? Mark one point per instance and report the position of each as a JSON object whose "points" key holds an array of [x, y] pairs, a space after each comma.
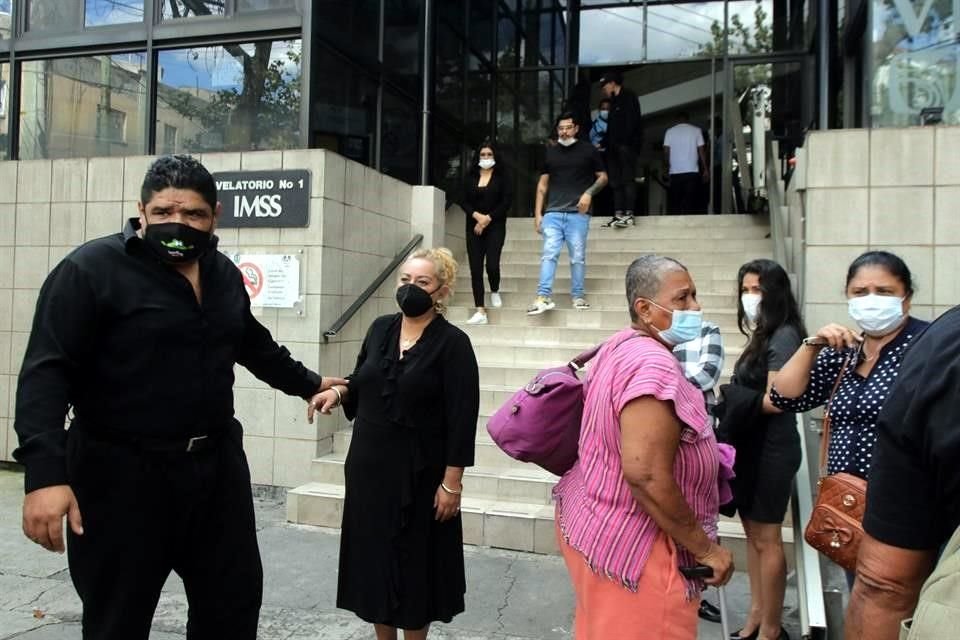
{"points": [[264, 198], [271, 280]]}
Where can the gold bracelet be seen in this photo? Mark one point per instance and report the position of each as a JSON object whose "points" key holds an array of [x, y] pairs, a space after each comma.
{"points": [[339, 397], [449, 490]]}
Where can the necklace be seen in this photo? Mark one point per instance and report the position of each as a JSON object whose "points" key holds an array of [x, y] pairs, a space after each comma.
{"points": [[866, 358], [406, 343]]}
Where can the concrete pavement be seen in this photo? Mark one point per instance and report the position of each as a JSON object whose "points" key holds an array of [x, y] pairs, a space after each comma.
{"points": [[510, 595]]}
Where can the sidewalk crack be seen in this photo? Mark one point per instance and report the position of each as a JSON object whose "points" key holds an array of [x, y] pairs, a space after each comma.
{"points": [[511, 581]]}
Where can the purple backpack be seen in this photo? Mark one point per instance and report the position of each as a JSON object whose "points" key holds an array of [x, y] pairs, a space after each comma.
{"points": [[541, 422]]}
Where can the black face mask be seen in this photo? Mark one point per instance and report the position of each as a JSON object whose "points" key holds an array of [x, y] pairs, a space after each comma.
{"points": [[177, 243], [414, 301]]}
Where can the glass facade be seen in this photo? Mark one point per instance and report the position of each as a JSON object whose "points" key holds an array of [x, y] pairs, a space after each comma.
{"points": [[916, 62], [230, 75], [82, 106], [236, 97], [176, 9]]}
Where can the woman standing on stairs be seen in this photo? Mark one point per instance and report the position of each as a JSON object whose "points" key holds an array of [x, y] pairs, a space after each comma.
{"points": [[488, 195], [414, 397], [766, 439]]}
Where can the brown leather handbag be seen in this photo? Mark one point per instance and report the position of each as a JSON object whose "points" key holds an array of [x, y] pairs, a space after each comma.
{"points": [[836, 522]]}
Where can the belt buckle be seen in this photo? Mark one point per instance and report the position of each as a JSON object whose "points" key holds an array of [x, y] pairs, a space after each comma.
{"points": [[193, 442]]}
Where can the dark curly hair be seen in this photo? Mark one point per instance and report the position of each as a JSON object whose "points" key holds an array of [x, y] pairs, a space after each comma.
{"points": [[179, 172]]}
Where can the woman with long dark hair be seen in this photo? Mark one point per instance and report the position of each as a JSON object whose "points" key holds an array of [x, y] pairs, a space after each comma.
{"points": [[768, 449], [488, 195]]}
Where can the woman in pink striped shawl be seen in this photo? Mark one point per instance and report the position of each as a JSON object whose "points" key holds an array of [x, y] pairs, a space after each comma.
{"points": [[642, 500]]}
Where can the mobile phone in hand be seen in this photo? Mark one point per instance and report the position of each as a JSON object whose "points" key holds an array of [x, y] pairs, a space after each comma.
{"points": [[698, 571]]}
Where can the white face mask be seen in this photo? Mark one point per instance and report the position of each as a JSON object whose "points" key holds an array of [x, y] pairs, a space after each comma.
{"points": [[566, 141], [604, 113], [751, 306], [487, 163], [877, 315]]}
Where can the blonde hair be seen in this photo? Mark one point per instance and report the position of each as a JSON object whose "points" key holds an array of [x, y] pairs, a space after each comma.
{"points": [[445, 267]]}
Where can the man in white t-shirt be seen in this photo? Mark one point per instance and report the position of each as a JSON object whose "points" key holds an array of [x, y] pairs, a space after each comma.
{"points": [[686, 160]]}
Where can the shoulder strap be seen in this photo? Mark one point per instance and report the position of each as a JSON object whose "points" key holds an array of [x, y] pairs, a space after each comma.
{"points": [[579, 361], [825, 437]]}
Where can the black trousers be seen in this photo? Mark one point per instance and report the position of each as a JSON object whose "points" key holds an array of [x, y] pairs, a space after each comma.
{"points": [[485, 248], [622, 170], [146, 514], [684, 193]]}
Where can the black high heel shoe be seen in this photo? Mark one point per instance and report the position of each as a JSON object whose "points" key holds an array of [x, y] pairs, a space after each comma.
{"points": [[753, 636]]}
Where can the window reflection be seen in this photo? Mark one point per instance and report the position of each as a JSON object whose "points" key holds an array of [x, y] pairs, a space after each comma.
{"points": [[611, 35], [399, 155], [916, 62], [401, 43], [6, 15], [350, 26], [173, 9], [232, 97], [449, 66], [54, 15], [263, 5], [4, 108], [344, 109], [88, 106], [103, 12]]}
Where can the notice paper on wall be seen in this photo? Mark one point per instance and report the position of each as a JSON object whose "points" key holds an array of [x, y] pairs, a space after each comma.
{"points": [[271, 280]]}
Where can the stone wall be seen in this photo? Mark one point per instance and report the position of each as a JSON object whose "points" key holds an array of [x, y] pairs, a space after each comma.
{"points": [[891, 189], [359, 219]]}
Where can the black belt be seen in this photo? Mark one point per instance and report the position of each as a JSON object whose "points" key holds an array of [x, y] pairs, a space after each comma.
{"points": [[191, 444]]}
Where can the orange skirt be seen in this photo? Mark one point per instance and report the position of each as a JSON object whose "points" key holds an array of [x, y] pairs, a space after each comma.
{"points": [[659, 610]]}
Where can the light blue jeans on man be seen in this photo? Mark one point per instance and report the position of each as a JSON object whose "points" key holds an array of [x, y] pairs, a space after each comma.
{"points": [[559, 227]]}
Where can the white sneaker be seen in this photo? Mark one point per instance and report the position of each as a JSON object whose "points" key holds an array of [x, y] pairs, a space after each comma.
{"points": [[541, 304], [478, 318], [495, 300], [581, 304]]}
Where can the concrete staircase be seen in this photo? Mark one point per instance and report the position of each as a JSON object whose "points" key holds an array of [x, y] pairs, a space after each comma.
{"points": [[506, 503]]}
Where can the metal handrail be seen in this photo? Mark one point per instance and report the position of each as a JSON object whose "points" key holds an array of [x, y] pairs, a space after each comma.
{"points": [[810, 600], [369, 291]]}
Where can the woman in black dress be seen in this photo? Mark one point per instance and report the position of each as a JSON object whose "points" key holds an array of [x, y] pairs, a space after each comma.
{"points": [[488, 195], [768, 451], [414, 397]]}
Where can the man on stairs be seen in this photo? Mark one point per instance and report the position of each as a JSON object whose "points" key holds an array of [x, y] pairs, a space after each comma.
{"points": [[624, 135], [572, 174]]}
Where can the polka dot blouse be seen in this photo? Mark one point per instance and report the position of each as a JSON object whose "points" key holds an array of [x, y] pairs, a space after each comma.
{"points": [[856, 407]]}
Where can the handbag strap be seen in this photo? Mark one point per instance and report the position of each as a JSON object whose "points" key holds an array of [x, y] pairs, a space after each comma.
{"points": [[580, 360], [825, 438]]}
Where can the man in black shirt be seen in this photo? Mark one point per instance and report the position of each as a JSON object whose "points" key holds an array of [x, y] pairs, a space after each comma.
{"points": [[623, 138], [138, 334], [572, 174], [913, 497]]}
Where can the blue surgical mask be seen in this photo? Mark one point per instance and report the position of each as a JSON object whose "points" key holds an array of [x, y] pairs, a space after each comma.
{"points": [[877, 315], [603, 113], [684, 326]]}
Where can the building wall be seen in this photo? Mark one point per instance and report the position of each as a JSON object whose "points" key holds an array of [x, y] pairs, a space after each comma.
{"points": [[891, 189], [359, 219]]}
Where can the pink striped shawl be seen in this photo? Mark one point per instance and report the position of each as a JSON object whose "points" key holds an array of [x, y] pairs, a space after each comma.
{"points": [[597, 513]]}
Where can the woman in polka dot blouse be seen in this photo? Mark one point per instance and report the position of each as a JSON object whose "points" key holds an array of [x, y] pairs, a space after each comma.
{"points": [[879, 292]]}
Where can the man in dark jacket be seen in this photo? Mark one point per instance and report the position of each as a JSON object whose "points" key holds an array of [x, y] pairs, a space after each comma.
{"points": [[136, 336], [623, 138]]}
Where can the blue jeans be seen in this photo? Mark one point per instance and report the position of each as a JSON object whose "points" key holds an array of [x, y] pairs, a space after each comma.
{"points": [[559, 227]]}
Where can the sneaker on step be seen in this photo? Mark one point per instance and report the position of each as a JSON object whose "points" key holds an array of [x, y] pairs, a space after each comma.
{"points": [[581, 304], [541, 304], [478, 318], [495, 300], [623, 222], [614, 221]]}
